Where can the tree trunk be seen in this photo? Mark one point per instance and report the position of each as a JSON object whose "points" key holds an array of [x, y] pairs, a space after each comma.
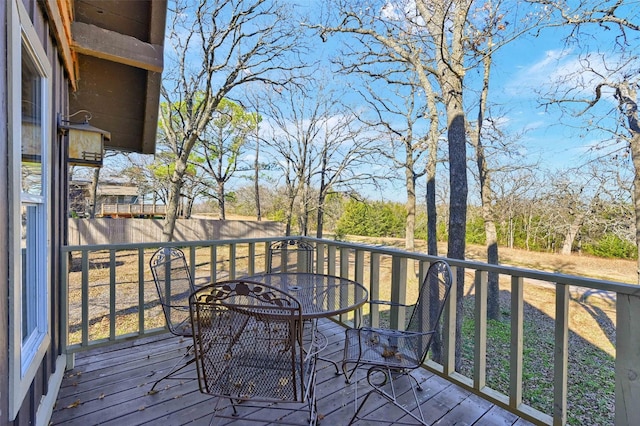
{"points": [[322, 196], [635, 153], [173, 206], [456, 136], [410, 205], [572, 233], [486, 197], [432, 162], [94, 191], [256, 182], [189, 209], [172, 211], [628, 100], [432, 216], [320, 227], [221, 204]]}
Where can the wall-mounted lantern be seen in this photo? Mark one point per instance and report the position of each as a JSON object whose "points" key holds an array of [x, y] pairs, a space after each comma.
{"points": [[85, 143]]}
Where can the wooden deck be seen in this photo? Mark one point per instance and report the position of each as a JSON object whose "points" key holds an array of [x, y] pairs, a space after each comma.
{"points": [[110, 386]]}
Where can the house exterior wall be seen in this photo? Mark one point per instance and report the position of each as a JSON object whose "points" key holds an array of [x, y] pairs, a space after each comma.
{"points": [[48, 28], [49, 366]]}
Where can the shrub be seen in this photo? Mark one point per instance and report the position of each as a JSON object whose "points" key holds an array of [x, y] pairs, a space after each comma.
{"points": [[611, 246]]}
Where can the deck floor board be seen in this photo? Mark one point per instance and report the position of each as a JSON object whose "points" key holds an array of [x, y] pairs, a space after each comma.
{"points": [[110, 385]]}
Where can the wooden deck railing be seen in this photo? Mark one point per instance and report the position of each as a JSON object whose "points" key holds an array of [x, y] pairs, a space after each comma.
{"points": [[109, 296], [132, 210]]}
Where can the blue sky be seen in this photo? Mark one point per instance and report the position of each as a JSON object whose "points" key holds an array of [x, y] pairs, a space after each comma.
{"points": [[519, 69], [529, 64]]}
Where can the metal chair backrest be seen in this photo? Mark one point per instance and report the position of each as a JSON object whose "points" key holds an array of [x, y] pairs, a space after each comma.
{"points": [[290, 255], [427, 311], [174, 284], [248, 342]]}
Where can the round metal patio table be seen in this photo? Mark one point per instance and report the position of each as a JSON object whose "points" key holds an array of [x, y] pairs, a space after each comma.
{"points": [[320, 295]]}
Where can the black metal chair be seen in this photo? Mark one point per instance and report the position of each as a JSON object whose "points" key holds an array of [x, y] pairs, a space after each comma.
{"points": [[290, 255], [391, 354], [250, 348], [174, 284]]}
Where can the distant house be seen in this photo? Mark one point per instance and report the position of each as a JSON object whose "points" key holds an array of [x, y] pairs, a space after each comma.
{"points": [[63, 60], [107, 193], [124, 201], [116, 194], [113, 199]]}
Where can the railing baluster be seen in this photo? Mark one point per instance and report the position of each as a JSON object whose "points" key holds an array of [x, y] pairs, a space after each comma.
{"points": [[320, 258], [251, 261], [112, 295], [449, 327], [232, 261], [141, 268], [358, 277], [517, 347], [374, 288], [85, 298], [480, 341], [331, 267], [213, 264], [561, 355], [192, 261]]}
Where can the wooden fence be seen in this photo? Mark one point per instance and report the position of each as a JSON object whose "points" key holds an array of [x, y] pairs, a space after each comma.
{"points": [[136, 231]]}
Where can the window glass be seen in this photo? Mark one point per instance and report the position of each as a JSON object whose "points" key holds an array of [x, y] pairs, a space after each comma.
{"points": [[31, 127]]}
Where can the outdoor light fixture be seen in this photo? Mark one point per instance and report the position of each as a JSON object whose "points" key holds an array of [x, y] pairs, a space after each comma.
{"points": [[85, 143]]}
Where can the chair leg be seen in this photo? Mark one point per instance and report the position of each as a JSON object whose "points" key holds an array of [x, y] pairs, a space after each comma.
{"points": [[320, 342], [355, 415], [391, 395], [175, 369], [347, 376]]}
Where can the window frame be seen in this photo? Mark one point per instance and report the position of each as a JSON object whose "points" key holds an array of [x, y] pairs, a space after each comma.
{"points": [[26, 355]]}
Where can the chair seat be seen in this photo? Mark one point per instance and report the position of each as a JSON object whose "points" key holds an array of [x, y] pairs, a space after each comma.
{"points": [[380, 347], [258, 377]]}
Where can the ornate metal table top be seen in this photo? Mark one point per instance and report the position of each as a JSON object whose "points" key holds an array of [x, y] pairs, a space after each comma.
{"points": [[319, 295]]}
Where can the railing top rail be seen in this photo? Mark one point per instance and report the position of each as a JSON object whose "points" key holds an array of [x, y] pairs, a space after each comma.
{"points": [[548, 277]]}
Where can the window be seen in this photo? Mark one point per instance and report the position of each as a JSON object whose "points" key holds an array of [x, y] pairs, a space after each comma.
{"points": [[30, 132]]}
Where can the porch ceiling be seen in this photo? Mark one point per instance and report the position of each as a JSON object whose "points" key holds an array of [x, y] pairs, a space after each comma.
{"points": [[118, 47]]}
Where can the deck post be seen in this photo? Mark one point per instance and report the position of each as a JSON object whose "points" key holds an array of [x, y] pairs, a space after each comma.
{"points": [[627, 368]]}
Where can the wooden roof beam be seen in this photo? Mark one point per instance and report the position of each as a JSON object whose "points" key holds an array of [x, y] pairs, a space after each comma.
{"points": [[112, 46]]}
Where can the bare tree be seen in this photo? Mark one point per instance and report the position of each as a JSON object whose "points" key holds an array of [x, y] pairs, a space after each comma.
{"points": [[213, 48], [318, 145], [607, 69], [399, 111], [517, 192]]}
